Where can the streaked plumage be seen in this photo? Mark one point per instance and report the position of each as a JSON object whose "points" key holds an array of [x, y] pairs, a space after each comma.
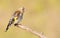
{"points": [[16, 17]]}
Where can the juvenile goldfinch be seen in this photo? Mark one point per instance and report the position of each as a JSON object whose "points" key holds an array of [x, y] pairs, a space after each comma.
{"points": [[16, 17]]}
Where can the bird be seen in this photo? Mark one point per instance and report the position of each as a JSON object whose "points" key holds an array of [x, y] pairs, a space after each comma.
{"points": [[16, 18]]}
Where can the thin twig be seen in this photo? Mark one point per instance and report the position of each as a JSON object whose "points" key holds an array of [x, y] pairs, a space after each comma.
{"points": [[32, 31]]}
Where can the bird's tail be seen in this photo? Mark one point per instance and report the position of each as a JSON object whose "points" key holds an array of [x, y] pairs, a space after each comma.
{"points": [[9, 24]]}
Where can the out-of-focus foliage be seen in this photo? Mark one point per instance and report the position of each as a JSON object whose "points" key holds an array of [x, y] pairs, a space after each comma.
{"points": [[40, 15]]}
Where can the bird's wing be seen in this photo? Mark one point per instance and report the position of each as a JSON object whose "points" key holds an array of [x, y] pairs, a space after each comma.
{"points": [[10, 22]]}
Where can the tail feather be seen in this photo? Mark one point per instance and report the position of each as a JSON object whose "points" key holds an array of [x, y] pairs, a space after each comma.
{"points": [[9, 24], [7, 27]]}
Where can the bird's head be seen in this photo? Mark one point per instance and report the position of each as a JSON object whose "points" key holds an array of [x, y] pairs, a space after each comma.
{"points": [[22, 9]]}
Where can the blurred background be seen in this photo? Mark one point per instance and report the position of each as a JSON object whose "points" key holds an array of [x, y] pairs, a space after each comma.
{"points": [[40, 15]]}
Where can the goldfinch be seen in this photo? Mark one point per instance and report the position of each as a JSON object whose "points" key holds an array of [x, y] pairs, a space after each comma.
{"points": [[16, 17]]}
